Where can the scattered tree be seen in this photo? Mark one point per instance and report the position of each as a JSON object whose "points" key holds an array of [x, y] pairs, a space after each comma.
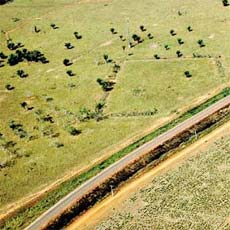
{"points": [[187, 74], [189, 29], [167, 47], [77, 35], [22, 74], [70, 73], [201, 43], [180, 41], [179, 53], [137, 38], [9, 87], [55, 27], [150, 36], [3, 56], [142, 28], [172, 32], [113, 31], [12, 46], [157, 56], [36, 30], [68, 45], [226, 3], [67, 62]]}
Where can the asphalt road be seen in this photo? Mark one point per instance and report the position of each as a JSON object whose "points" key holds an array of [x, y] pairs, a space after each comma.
{"points": [[111, 170]]}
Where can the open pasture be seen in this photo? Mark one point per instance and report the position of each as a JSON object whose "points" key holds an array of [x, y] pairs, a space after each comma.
{"points": [[107, 70]]}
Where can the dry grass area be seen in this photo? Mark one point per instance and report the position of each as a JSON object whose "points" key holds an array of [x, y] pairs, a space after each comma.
{"points": [[192, 194]]}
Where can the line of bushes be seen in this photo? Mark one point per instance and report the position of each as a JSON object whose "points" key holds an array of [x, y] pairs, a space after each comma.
{"points": [[29, 214]]}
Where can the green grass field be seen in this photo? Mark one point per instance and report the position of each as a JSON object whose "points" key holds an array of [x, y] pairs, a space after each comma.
{"points": [[193, 195], [143, 84]]}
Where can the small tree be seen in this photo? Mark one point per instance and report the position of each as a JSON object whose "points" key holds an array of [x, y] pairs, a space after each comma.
{"points": [[67, 62], [189, 29], [201, 43], [142, 28], [180, 41], [36, 30], [3, 56], [68, 45], [70, 73], [55, 27], [150, 36], [172, 32], [187, 74], [167, 47], [22, 74], [157, 56], [77, 35], [113, 31], [226, 2], [9, 87], [179, 53]]}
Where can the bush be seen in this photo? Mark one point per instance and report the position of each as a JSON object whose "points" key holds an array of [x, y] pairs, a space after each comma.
{"points": [[106, 85], [73, 131]]}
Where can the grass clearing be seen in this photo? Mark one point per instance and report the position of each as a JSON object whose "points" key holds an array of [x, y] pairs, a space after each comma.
{"points": [[37, 160]]}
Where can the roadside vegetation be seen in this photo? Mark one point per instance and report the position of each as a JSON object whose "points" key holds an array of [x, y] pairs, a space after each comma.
{"points": [[70, 93]]}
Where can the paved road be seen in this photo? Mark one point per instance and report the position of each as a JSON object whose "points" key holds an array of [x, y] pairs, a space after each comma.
{"points": [[111, 170]]}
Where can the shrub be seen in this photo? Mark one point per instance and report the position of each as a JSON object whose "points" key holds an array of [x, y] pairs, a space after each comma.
{"points": [[73, 131]]}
